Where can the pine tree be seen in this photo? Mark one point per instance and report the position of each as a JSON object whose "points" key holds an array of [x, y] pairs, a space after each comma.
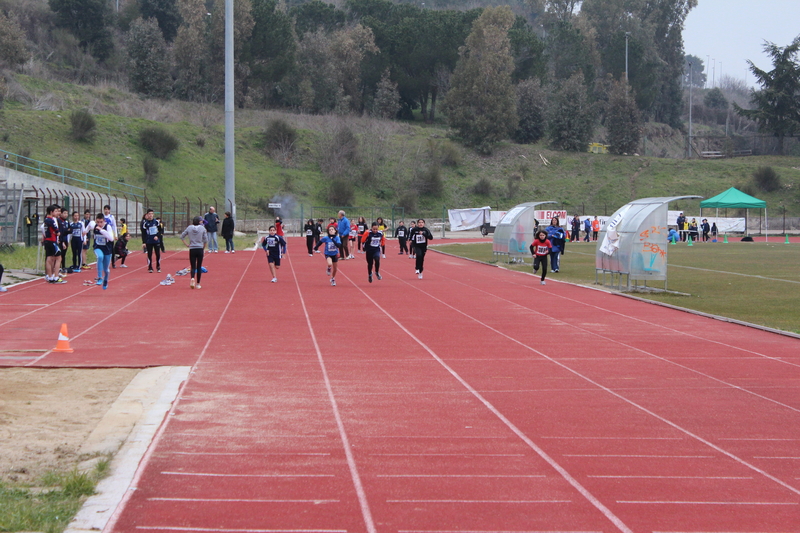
{"points": [[571, 116], [531, 108], [387, 97], [149, 59], [482, 103], [623, 119]]}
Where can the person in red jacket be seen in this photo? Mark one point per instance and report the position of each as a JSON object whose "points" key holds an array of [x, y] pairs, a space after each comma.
{"points": [[540, 248]]}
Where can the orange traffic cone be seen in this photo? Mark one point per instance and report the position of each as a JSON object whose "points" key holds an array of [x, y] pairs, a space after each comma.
{"points": [[63, 341]]}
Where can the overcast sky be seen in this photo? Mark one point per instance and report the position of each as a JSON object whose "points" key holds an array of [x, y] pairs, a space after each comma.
{"points": [[733, 31]]}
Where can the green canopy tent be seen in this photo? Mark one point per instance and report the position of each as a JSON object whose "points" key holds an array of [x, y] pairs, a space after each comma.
{"points": [[735, 199]]}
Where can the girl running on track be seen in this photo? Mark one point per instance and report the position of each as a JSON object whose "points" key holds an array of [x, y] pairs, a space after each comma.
{"points": [[198, 238], [540, 248], [382, 229], [411, 253], [401, 234], [372, 241], [361, 226], [420, 236], [274, 245], [332, 244], [310, 231], [103, 243]]}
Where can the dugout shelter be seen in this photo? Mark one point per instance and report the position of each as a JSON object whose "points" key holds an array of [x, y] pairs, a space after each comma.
{"points": [[633, 243], [514, 233]]}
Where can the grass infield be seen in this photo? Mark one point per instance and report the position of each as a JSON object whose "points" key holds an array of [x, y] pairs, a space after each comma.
{"points": [[755, 282]]}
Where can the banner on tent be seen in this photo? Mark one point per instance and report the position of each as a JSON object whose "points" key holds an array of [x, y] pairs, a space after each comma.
{"points": [[545, 216], [724, 224], [466, 219]]}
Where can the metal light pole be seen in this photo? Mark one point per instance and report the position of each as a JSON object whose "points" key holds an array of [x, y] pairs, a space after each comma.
{"points": [[627, 34], [230, 163], [713, 72], [708, 60], [689, 151]]}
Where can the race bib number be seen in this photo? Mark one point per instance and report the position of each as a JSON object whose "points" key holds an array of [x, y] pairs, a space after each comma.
{"points": [[420, 238], [152, 230], [76, 233], [401, 234], [100, 240], [375, 242], [353, 233], [309, 233], [542, 250], [272, 242], [331, 247]]}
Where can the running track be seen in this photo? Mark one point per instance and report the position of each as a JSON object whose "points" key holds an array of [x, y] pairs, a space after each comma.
{"points": [[473, 400]]}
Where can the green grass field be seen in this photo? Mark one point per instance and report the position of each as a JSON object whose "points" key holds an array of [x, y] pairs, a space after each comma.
{"points": [[755, 282]]}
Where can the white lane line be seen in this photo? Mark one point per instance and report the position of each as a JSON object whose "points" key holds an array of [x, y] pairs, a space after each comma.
{"points": [[351, 462], [237, 500], [228, 530], [761, 439], [673, 477], [479, 501], [446, 437], [260, 436], [736, 274], [668, 502], [209, 474], [774, 457], [463, 475], [641, 456], [552, 462], [487, 531], [596, 384], [112, 521]]}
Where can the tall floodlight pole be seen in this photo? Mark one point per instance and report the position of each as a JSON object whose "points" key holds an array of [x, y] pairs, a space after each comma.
{"points": [[708, 61], [627, 34], [230, 163], [713, 72], [689, 151]]}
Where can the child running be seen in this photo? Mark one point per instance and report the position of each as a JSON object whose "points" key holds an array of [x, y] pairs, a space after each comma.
{"points": [[540, 248], [103, 243], [420, 235], [198, 238], [401, 234], [411, 254], [373, 241], [274, 245], [332, 244]]}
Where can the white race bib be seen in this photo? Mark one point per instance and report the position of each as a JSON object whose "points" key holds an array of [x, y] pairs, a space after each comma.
{"points": [[152, 230]]}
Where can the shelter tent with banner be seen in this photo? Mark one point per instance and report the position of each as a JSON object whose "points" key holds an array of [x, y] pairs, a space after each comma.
{"points": [[514, 233], [733, 198], [633, 243], [466, 219]]}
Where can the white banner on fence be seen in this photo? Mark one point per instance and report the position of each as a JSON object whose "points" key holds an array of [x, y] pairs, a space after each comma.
{"points": [[495, 217], [724, 224], [465, 219], [545, 216]]}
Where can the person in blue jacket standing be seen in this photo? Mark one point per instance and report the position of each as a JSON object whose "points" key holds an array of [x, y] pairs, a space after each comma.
{"points": [[557, 237], [344, 232]]}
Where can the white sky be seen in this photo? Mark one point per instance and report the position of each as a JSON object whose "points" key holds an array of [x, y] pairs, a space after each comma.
{"points": [[733, 31]]}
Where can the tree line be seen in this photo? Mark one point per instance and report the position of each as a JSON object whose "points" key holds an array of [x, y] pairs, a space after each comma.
{"points": [[563, 68]]}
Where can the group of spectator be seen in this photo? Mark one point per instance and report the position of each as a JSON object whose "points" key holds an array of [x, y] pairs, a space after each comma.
{"points": [[690, 229]]}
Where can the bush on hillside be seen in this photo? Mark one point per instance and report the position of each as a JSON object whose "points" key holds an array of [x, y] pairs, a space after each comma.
{"points": [[279, 135], [83, 125], [341, 192], [158, 141], [150, 166], [200, 141], [482, 187], [428, 181], [766, 179]]}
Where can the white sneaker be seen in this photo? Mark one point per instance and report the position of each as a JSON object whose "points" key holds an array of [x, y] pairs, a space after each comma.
{"points": [[419, 275], [227, 252], [328, 271], [384, 256], [352, 257], [274, 280], [379, 276], [333, 282], [192, 284], [543, 283], [3, 289], [416, 271], [198, 286], [123, 266], [233, 251]]}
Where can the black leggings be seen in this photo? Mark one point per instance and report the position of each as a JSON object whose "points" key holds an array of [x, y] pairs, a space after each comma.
{"points": [[151, 247], [403, 245], [196, 262], [373, 258], [310, 244], [540, 260], [77, 249], [420, 253]]}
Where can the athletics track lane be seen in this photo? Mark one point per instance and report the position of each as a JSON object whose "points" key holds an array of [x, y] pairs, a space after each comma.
{"points": [[639, 420]]}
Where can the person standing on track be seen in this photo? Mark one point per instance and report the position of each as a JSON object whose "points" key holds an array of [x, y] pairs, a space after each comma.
{"points": [[401, 234], [576, 229], [228, 228], [87, 219], [411, 251], [310, 231], [52, 250], [318, 234], [557, 237], [420, 235], [198, 238], [212, 225], [150, 240], [540, 248], [361, 228], [274, 245], [103, 248], [373, 241], [332, 244], [344, 232], [382, 228], [76, 241]]}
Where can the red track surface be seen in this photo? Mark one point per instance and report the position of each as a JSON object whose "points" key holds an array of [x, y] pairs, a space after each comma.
{"points": [[472, 400]]}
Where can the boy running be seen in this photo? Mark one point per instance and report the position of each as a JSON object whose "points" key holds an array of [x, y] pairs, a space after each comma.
{"points": [[401, 234], [273, 244], [150, 240], [372, 241], [103, 243], [332, 244], [420, 236], [540, 248]]}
